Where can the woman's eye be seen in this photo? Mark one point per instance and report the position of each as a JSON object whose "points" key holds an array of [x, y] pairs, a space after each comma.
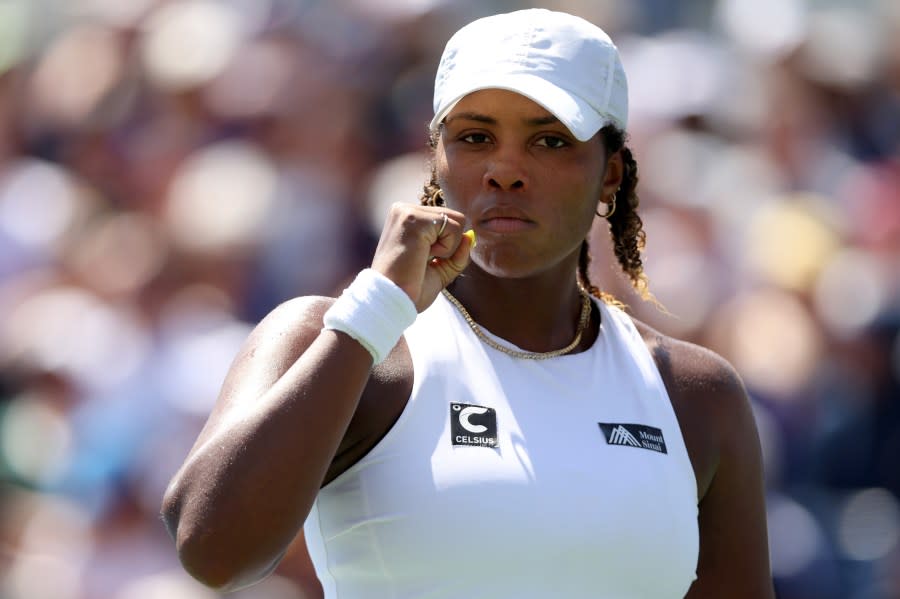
{"points": [[475, 138], [551, 141]]}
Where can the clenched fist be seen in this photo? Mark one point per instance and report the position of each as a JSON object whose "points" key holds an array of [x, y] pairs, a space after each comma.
{"points": [[422, 249]]}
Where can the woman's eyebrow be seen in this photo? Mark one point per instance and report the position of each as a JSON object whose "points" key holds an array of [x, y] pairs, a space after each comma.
{"points": [[482, 118], [542, 120], [471, 116]]}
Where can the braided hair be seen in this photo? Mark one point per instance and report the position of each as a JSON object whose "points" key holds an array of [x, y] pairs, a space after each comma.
{"points": [[625, 225]]}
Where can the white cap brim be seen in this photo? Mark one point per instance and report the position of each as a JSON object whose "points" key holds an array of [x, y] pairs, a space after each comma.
{"points": [[577, 115]]}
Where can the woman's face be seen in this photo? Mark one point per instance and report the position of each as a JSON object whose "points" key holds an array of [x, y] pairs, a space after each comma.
{"points": [[525, 184]]}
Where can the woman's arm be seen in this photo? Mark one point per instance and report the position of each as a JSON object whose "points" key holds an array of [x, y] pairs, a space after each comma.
{"points": [[717, 421], [251, 478], [280, 424]]}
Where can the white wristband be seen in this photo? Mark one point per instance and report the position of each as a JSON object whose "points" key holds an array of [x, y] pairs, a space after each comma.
{"points": [[374, 311]]}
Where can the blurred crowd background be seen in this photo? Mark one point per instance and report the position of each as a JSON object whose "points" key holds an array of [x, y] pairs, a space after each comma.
{"points": [[172, 170]]}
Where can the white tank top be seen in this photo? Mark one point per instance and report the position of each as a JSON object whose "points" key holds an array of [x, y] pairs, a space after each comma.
{"points": [[507, 478]]}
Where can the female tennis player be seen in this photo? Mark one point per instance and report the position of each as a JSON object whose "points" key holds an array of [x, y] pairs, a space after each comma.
{"points": [[472, 417]]}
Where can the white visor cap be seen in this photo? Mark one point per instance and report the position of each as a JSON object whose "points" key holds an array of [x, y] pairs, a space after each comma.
{"points": [[564, 63]]}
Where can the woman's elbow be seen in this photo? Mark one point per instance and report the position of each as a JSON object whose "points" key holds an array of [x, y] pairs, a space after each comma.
{"points": [[214, 563], [208, 558]]}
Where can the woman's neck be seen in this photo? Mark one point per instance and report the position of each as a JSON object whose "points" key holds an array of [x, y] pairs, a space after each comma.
{"points": [[539, 313]]}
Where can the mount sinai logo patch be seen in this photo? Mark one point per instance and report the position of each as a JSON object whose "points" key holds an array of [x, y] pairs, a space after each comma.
{"points": [[634, 435]]}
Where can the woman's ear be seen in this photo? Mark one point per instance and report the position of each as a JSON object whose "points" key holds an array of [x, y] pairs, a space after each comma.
{"points": [[615, 172]]}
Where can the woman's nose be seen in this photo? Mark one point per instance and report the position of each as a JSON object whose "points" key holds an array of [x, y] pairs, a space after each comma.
{"points": [[505, 172]]}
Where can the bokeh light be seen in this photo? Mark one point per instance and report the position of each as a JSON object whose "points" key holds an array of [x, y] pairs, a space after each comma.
{"points": [[869, 525], [220, 198], [189, 43], [796, 538]]}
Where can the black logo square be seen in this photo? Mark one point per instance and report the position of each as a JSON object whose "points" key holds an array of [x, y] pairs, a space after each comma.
{"points": [[473, 425]]}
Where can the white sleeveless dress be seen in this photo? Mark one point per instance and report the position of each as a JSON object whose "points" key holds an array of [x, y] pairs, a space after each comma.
{"points": [[507, 478]]}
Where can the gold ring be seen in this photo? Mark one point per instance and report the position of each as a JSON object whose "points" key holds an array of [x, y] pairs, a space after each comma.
{"points": [[443, 225]]}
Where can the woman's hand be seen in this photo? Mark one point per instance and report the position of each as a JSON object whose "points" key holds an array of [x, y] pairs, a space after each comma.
{"points": [[420, 252]]}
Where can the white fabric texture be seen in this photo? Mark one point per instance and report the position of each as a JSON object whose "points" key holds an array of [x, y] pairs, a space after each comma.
{"points": [[553, 510]]}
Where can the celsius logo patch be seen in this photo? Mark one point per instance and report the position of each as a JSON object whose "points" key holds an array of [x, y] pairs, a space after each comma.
{"points": [[473, 425], [634, 435]]}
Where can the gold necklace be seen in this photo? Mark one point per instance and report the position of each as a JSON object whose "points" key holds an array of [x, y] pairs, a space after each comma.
{"points": [[527, 355]]}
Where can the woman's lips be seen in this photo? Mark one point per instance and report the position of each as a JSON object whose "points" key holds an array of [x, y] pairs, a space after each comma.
{"points": [[505, 224]]}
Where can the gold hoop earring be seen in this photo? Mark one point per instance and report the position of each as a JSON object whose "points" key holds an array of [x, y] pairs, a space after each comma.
{"points": [[439, 197], [611, 208]]}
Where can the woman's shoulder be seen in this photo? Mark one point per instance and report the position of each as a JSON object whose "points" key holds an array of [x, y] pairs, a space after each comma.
{"points": [[299, 320], [301, 310], [288, 330], [277, 340], [692, 368], [708, 397], [291, 326]]}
